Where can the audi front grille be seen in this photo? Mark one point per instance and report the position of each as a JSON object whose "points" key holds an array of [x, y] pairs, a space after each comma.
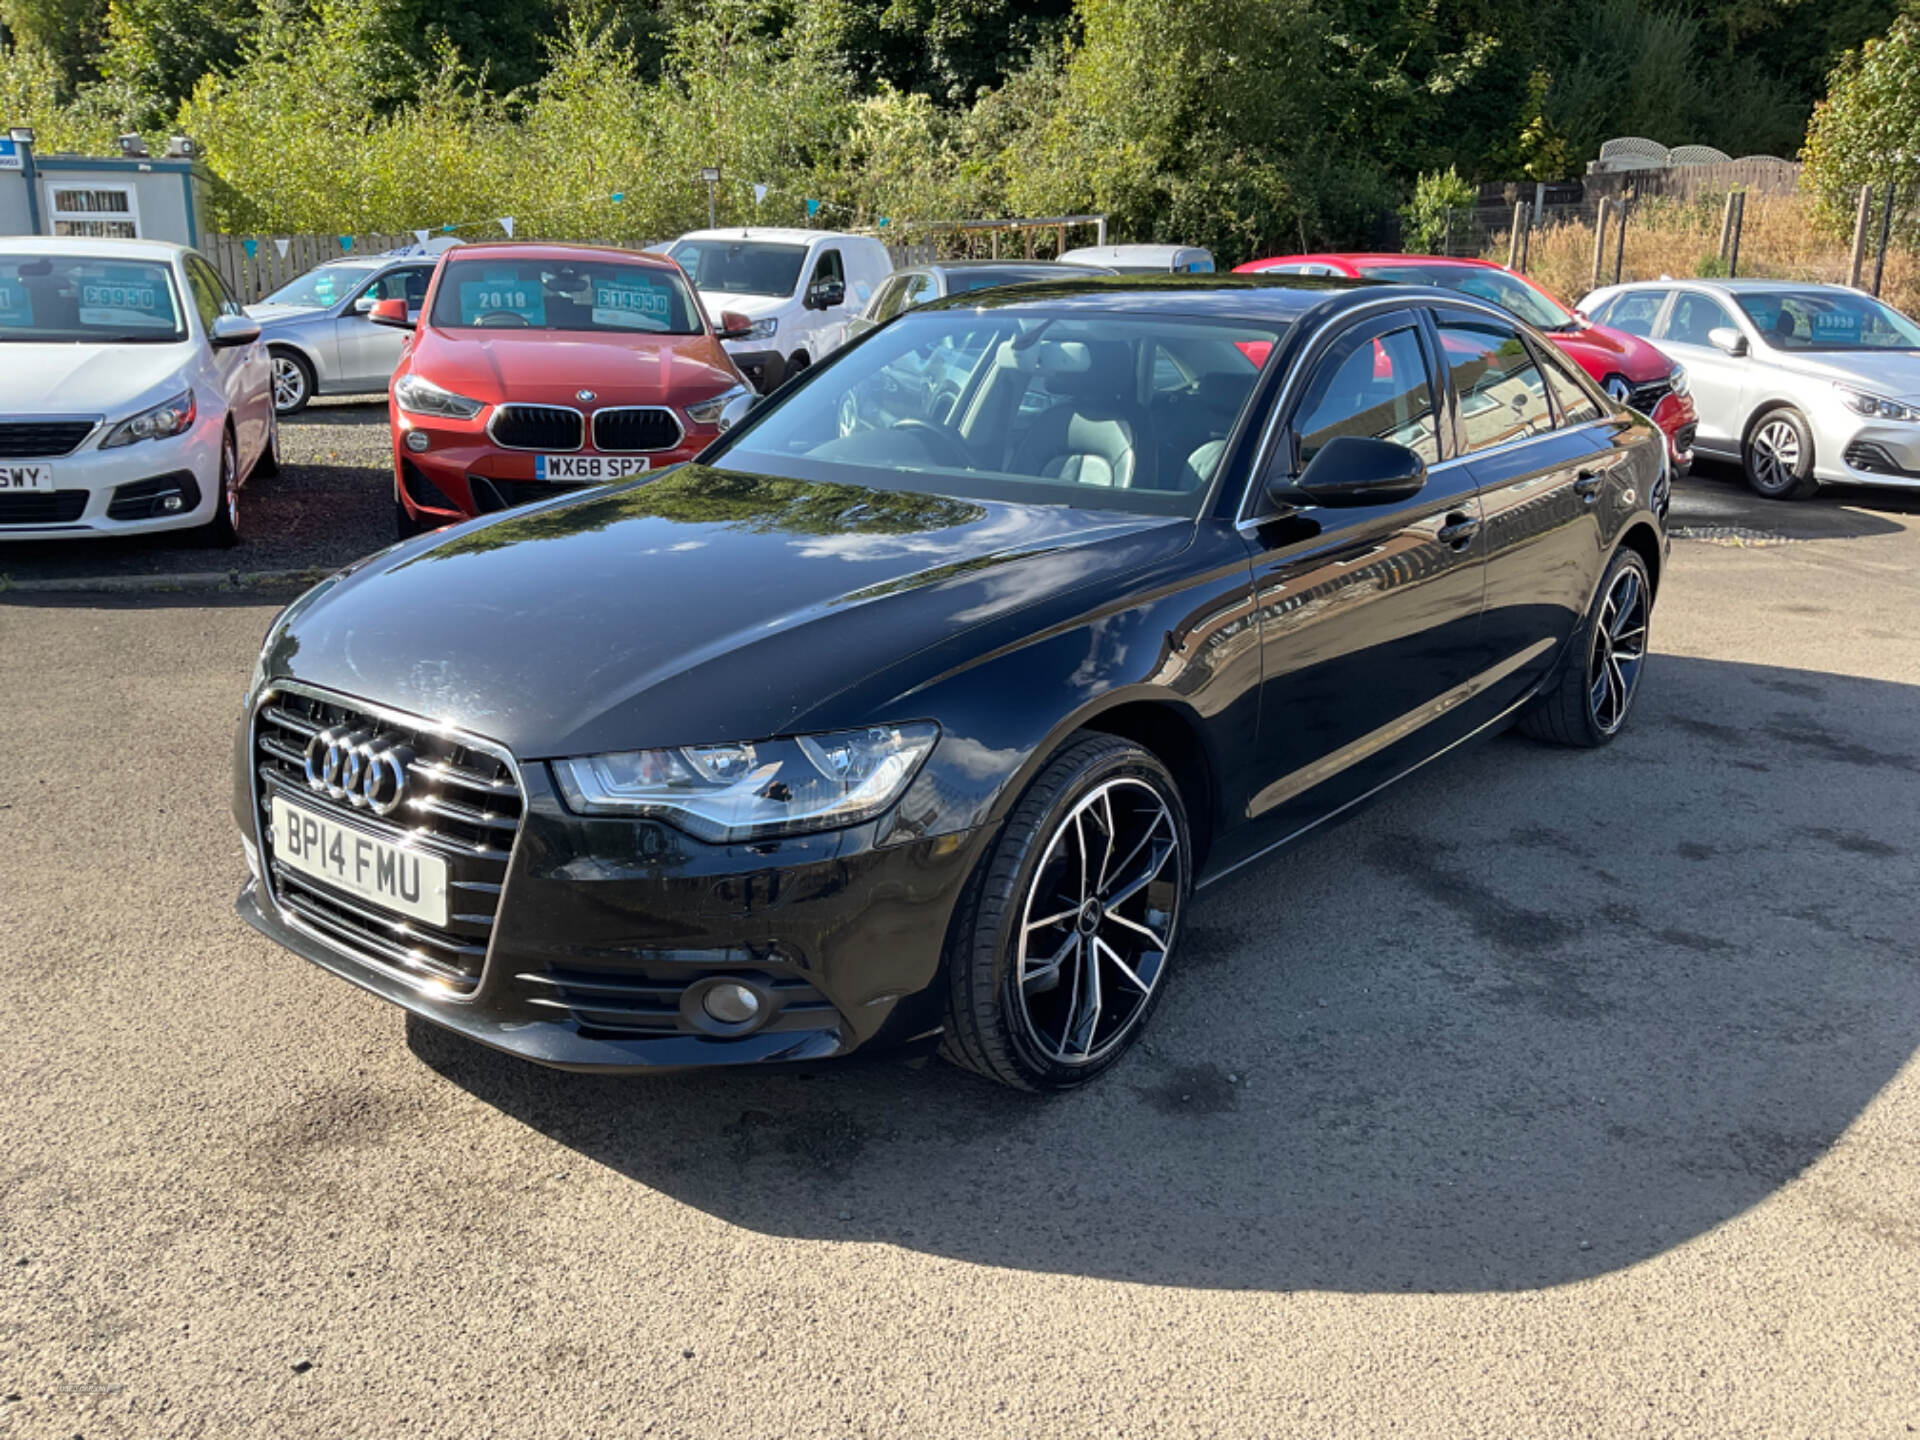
{"points": [[42, 439], [546, 428], [636, 429], [462, 802]]}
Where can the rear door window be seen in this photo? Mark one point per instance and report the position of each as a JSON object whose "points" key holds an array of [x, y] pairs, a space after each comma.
{"points": [[1635, 311], [1502, 393]]}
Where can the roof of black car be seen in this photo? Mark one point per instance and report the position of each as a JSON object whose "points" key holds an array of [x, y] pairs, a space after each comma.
{"points": [[1285, 297]]}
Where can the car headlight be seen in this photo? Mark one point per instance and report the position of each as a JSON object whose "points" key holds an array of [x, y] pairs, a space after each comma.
{"points": [[707, 412], [169, 417], [722, 793], [763, 329], [1677, 378], [418, 396], [1874, 407]]}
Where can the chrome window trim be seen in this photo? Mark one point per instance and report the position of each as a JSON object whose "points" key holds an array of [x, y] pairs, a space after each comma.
{"points": [[1244, 522], [593, 424], [536, 449], [439, 990]]}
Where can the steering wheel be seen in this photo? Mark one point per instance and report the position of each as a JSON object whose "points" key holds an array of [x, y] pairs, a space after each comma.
{"points": [[503, 319], [946, 447], [849, 414]]}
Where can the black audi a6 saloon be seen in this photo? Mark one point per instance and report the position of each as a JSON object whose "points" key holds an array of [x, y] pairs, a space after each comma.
{"points": [[918, 707]]}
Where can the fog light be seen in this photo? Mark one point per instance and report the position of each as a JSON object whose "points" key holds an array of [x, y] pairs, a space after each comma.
{"points": [[730, 1004], [170, 503], [417, 441]]}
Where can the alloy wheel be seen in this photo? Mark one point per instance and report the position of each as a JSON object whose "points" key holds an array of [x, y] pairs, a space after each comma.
{"points": [[1099, 917], [1776, 455], [1619, 650], [230, 483], [289, 383]]}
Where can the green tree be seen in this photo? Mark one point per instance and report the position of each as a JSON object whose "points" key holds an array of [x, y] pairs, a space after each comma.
{"points": [[1867, 130]]}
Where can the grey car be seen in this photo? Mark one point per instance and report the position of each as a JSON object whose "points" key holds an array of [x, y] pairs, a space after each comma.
{"points": [[317, 330], [1801, 384], [917, 284]]}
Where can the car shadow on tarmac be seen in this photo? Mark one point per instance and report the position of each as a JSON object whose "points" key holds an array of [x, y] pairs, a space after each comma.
{"points": [[1535, 1016], [1715, 502]]}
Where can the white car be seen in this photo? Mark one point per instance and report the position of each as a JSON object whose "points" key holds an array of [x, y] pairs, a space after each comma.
{"points": [[134, 392], [798, 289], [1799, 383]]}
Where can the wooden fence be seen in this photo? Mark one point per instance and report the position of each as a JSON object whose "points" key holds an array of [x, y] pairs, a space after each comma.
{"points": [[255, 276]]}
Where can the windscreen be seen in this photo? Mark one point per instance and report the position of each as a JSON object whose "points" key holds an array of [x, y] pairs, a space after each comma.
{"points": [[1496, 286], [74, 298], [320, 288], [1828, 320], [741, 267], [1111, 412], [596, 295]]}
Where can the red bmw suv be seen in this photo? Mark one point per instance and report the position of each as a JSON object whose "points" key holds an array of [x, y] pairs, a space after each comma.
{"points": [[540, 368], [1632, 370]]}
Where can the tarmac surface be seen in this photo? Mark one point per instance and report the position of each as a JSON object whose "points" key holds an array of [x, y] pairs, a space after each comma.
{"points": [[1557, 1094]]}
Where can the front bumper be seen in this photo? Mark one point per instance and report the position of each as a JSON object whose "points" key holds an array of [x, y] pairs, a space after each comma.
{"points": [[1678, 420], [1854, 451], [94, 492], [607, 930], [466, 474]]}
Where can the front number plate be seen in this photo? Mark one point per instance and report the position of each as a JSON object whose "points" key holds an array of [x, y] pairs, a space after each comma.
{"points": [[393, 877], [25, 477], [592, 469]]}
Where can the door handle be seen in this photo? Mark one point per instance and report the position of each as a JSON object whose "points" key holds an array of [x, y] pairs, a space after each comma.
{"points": [[1587, 484], [1459, 530]]}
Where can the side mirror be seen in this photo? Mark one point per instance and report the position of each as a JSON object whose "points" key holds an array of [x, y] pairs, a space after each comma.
{"points": [[826, 295], [733, 325], [234, 330], [1350, 471], [362, 304], [1725, 337], [736, 410], [391, 312]]}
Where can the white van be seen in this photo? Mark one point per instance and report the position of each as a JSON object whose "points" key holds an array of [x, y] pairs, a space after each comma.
{"points": [[798, 287], [1144, 259]]}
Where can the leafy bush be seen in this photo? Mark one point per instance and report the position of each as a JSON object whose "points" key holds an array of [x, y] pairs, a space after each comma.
{"points": [[1424, 222], [1867, 130]]}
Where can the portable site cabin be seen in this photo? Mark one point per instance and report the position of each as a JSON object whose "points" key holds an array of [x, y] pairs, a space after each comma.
{"points": [[131, 196]]}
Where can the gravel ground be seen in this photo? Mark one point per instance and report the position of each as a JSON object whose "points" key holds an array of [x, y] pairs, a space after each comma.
{"points": [[1555, 1095], [331, 503]]}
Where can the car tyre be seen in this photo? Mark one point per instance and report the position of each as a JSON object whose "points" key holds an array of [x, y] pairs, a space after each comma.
{"points": [[1589, 704], [1045, 990], [223, 530], [292, 382], [1778, 456], [268, 463]]}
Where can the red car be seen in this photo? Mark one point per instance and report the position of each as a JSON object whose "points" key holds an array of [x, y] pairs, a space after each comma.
{"points": [[541, 368], [1632, 371]]}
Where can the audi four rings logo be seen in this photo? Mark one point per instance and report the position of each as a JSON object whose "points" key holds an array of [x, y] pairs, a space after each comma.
{"points": [[354, 766]]}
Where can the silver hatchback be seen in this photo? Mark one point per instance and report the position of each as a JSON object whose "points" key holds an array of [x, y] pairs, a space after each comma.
{"points": [[1801, 384], [320, 337]]}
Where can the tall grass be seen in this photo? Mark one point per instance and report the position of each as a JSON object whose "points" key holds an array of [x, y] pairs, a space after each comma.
{"points": [[1667, 238]]}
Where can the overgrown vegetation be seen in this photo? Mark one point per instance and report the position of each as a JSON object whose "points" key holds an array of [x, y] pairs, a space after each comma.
{"points": [[1778, 239], [1246, 125]]}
